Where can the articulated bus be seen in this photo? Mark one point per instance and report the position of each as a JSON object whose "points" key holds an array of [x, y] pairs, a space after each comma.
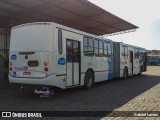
{"points": [[51, 54]]}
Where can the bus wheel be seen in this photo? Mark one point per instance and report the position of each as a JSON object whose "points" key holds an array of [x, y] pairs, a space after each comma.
{"points": [[88, 80], [125, 73]]}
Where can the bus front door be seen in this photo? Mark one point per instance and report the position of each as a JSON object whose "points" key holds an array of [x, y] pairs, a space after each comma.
{"points": [[73, 62]]}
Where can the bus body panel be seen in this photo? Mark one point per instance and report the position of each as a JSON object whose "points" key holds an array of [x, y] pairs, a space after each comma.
{"points": [[40, 48]]}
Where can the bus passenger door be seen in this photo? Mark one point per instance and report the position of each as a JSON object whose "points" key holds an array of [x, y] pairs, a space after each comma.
{"points": [[73, 62], [131, 62]]}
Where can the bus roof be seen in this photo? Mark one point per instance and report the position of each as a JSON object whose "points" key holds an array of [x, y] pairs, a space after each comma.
{"points": [[62, 27], [132, 46]]}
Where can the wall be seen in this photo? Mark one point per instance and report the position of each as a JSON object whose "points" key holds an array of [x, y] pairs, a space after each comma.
{"points": [[4, 49]]}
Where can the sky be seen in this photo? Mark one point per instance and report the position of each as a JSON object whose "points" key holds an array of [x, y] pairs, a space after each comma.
{"points": [[143, 13]]}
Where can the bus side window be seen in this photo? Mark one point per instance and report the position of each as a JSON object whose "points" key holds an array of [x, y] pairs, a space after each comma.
{"points": [[126, 52], [109, 50], [60, 48], [96, 47], [100, 48], [123, 51], [88, 48], [105, 49], [137, 53]]}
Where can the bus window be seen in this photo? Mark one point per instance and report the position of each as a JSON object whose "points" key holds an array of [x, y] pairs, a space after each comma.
{"points": [[85, 46], [90, 42], [109, 49], [105, 48], [69, 51], [85, 41], [96, 47], [100, 48], [60, 48], [124, 51], [75, 52], [137, 53], [88, 46]]}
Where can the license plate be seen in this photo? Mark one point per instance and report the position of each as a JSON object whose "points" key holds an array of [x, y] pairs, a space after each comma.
{"points": [[26, 73]]}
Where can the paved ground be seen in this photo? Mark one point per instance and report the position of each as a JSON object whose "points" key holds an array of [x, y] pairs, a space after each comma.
{"points": [[134, 94], [147, 103]]}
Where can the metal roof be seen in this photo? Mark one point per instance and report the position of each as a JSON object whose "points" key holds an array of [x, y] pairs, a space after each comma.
{"points": [[79, 14]]}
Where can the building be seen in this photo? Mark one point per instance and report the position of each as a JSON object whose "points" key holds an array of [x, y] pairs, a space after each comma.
{"points": [[78, 14]]}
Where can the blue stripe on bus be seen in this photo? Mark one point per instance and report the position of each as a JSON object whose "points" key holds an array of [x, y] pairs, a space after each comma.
{"points": [[110, 72]]}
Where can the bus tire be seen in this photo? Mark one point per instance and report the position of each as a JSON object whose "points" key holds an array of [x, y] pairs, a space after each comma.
{"points": [[125, 73], [89, 79]]}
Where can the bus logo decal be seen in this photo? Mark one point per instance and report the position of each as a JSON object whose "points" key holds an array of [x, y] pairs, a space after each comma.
{"points": [[14, 57], [61, 61]]}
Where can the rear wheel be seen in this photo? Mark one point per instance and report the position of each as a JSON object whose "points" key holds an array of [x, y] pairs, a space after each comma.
{"points": [[88, 80], [125, 73]]}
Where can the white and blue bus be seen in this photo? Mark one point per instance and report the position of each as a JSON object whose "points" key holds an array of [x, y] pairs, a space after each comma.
{"points": [[51, 54], [153, 59]]}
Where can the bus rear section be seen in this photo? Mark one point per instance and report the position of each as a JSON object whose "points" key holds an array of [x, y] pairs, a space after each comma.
{"points": [[128, 60], [28, 65], [32, 52]]}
